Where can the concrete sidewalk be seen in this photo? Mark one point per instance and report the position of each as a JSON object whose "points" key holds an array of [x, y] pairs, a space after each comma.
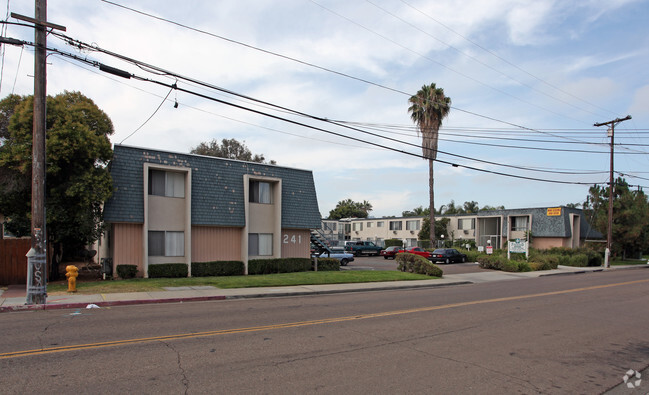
{"points": [[13, 299]]}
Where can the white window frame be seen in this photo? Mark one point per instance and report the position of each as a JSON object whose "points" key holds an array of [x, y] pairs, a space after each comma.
{"points": [[260, 244], [519, 223], [173, 243], [412, 224], [261, 192], [396, 225], [174, 183]]}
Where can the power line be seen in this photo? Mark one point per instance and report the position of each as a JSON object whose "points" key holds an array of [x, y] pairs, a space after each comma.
{"points": [[475, 59], [312, 65], [174, 86], [503, 59]]}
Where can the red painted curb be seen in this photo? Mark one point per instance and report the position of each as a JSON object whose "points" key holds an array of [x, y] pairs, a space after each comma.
{"points": [[58, 306]]}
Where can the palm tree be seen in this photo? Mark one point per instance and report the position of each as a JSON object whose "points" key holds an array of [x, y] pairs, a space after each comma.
{"points": [[427, 110]]}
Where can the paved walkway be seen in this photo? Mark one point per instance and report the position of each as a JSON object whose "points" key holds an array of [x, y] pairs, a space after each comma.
{"points": [[13, 299]]}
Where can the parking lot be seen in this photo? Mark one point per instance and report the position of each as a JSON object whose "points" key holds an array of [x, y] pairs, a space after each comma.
{"points": [[380, 263]]}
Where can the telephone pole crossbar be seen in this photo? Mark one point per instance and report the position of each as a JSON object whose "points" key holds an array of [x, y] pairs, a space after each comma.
{"points": [[609, 234]]}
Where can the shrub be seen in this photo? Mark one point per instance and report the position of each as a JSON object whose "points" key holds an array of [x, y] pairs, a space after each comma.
{"points": [[126, 271], [594, 258], [393, 242], [412, 263], [472, 255], [168, 270], [279, 265], [328, 264], [491, 262], [579, 260], [217, 268]]}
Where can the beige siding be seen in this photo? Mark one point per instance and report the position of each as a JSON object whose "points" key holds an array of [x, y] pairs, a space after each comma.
{"points": [[549, 242], [296, 243], [216, 244], [127, 245]]}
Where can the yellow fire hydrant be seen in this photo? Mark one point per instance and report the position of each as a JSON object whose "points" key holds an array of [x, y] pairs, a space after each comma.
{"points": [[71, 272]]}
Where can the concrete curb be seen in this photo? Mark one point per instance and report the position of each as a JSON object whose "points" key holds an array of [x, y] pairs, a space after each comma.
{"points": [[388, 286], [83, 305]]}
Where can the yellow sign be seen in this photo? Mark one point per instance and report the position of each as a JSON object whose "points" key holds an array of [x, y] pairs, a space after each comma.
{"points": [[554, 211]]}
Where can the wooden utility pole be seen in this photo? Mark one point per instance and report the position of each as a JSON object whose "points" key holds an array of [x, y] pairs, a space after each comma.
{"points": [[37, 255], [609, 234]]}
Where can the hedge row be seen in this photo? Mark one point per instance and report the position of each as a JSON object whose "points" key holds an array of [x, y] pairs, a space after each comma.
{"points": [[279, 265], [328, 264], [231, 268], [218, 268]]}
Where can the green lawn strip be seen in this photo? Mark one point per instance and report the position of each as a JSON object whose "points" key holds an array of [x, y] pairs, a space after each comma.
{"points": [[268, 280], [626, 262]]}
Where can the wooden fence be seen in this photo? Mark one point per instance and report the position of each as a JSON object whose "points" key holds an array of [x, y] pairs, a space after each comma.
{"points": [[13, 262]]}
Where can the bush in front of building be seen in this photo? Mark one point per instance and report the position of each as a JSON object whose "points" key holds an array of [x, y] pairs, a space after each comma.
{"points": [[544, 261], [576, 256], [393, 242], [218, 268], [279, 265], [168, 270], [328, 265], [126, 271], [412, 263]]}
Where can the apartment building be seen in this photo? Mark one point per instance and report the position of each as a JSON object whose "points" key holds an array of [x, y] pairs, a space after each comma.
{"points": [[180, 208], [546, 227]]}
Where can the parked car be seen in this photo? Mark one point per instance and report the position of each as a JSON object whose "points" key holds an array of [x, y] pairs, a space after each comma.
{"points": [[447, 255], [359, 248], [390, 252], [338, 253], [417, 251]]}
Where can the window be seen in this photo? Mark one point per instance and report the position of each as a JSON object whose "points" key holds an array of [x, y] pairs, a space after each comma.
{"points": [[260, 192], [466, 223], [369, 224], [163, 243], [519, 223], [260, 244], [166, 183], [329, 226], [412, 225], [396, 225], [356, 226], [379, 224]]}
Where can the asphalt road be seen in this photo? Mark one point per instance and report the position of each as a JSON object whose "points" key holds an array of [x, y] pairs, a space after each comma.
{"points": [[558, 334]]}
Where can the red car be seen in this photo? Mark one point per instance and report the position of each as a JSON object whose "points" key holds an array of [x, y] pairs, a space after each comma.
{"points": [[390, 252], [417, 251]]}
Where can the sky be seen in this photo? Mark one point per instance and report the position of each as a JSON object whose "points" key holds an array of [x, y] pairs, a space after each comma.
{"points": [[527, 79]]}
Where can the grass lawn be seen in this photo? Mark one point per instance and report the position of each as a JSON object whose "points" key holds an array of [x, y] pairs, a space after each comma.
{"points": [[619, 262], [267, 280]]}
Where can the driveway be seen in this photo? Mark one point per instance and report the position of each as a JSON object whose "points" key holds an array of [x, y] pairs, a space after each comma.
{"points": [[380, 263]]}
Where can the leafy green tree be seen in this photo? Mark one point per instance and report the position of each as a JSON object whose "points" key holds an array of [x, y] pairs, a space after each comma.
{"points": [[428, 107], [471, 207], [441, 227], [630, 217], [230, 149], [77, 179], [350, 209], [488, 208], [417, 212]]}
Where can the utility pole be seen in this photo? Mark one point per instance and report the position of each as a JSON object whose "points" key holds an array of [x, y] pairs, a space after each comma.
{"points": [[609, 235], [37, 255]]}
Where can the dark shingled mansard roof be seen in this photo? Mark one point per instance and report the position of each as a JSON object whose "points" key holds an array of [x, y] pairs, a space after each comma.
{"points": [[217, 188]]}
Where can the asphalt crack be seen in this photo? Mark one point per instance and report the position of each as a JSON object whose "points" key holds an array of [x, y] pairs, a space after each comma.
{"points": [[183, 373]]}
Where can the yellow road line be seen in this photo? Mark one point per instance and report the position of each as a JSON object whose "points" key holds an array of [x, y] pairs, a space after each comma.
{"points": [[115, 343]]}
